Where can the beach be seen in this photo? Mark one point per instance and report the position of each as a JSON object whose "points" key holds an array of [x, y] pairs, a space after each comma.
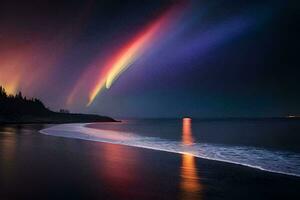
{"points": [[38, 166], [149, 100]]}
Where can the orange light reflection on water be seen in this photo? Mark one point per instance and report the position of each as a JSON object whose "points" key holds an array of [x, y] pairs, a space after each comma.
{"points": [[120, 169], [187, 138], [190, 184]]}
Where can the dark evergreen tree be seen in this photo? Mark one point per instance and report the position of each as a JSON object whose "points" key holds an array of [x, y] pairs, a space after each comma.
{"points": [[19, 105]]}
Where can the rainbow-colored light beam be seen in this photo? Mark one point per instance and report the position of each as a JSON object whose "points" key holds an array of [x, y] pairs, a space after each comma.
{"points": [[132, 51]]}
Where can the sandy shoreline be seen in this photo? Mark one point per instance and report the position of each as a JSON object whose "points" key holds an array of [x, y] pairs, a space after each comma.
{"points": [[80, 169]]}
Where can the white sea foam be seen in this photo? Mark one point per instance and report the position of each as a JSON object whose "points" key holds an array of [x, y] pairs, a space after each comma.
{"points": [[282, 162]]}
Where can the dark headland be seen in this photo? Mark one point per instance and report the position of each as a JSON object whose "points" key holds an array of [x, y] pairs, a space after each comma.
{"points": [[19, 109]]}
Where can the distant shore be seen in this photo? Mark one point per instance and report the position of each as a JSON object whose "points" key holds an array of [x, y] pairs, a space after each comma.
{"points": [[54, 118], [18, 109]]}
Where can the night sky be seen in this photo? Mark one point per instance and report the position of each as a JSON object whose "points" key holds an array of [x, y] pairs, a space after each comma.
{"points": [[165, 58]]}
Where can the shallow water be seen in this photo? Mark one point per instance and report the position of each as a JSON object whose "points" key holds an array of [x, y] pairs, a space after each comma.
{"points": [[182, 136], [280, 134]]}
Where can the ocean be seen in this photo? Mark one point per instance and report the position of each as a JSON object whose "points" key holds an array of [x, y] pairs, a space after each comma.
{"points": [[266, 144], [151, 159]]}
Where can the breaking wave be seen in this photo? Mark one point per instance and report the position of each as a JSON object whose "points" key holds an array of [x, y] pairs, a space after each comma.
{"points": [[282, 162]]}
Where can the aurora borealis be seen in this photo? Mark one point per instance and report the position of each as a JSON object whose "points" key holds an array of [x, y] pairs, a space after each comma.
{"points": [[132, 51], [153, 58]]}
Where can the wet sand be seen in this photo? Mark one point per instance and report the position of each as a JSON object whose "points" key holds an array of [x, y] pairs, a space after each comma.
{"points": [[37, 166]]}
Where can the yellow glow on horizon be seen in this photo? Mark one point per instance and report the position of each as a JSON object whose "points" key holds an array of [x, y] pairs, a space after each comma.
{"points": [[11, 84], [11, 88]]}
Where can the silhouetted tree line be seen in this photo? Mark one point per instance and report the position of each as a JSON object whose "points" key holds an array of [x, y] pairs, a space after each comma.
{"points": [[19, 105], [19, 109]]}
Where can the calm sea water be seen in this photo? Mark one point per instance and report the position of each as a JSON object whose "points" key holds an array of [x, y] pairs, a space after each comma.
{"points": [[270, 145], [41, 166], [270, 134]]}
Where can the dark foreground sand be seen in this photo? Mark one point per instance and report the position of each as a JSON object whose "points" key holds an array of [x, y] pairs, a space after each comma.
{"points": [[36, 166]]}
